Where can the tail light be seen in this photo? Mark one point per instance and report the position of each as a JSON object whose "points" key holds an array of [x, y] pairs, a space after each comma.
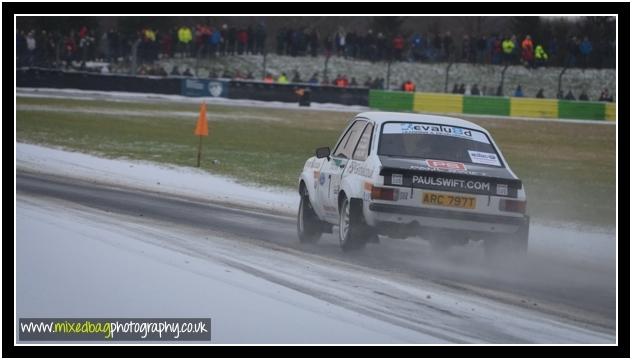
{"points": [[513, 206], [380, 193]]}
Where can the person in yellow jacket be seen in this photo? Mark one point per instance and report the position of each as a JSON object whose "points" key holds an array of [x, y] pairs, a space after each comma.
{"points": [[184, 39], [282, 79], [540, 55], [150, 35], [508, 46]]}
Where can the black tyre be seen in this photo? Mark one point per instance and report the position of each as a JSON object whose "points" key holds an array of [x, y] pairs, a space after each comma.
{"points": [[352, 231], [308, 225]]}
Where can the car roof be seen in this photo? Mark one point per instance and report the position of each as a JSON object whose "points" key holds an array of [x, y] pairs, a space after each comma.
{"points": [[383, 116]]}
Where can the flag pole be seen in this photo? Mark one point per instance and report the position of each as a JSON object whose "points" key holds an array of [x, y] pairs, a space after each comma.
{"points": [[199, 151]]}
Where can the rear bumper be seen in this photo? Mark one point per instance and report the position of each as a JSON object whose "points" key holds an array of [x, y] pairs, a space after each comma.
{"points": [[447, 214], [379, 214]]}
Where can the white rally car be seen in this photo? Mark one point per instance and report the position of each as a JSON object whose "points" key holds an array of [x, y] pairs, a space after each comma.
{"points": [[400, 175]]}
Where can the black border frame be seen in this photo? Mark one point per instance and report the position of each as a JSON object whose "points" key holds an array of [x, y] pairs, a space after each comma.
{"points": [[623, 334]]}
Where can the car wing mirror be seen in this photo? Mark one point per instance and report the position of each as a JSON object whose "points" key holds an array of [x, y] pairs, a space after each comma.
{"points": [[322, 152]]}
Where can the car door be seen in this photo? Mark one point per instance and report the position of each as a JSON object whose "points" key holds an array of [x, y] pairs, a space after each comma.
{"points": [[332, 171]]}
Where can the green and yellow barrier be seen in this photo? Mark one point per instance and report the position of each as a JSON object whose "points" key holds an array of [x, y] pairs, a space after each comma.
{"points": [[583, 110], [438, 103], [491, 105], [536, 108], [391, 100], [611, 112], [486, 105]]}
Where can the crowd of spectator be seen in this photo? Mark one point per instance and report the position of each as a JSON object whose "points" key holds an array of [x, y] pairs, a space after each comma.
{"points": [[142, 48], [436, 47], [41, 47], [44, 48]]}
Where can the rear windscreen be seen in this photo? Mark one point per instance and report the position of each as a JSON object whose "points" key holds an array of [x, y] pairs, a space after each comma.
{"points": [[431, 141]]}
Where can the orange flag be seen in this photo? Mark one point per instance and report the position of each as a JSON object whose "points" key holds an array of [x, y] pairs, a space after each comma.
{"points": [[201, 129]]}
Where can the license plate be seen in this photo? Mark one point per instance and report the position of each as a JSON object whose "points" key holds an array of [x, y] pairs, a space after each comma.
{"points": [[465, 202]]}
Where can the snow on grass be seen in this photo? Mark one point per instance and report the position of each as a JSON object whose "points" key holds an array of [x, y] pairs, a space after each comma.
{"points": [[143, 113], [148, 176]]}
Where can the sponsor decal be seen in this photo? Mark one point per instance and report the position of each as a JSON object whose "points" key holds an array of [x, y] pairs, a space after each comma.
{"points": [[357, 169], [480, 157], [457, 182], [452, 183], [397, 179], [335, 165], [403, 195], [426, 168], [316, 177], [194, 84], [429, 129], [215, 88], [446, 165], [201, 87]]}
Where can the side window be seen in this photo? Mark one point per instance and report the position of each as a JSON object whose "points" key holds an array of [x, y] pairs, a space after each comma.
{"points": [[349, 141], [362, 150]]}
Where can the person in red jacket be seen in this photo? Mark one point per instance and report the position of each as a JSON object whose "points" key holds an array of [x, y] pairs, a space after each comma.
{"points": [[242, 41], [408, 86], [268, 79], [83, 32], [398, 46], [345, 81], [527, 51], [338, 81]]}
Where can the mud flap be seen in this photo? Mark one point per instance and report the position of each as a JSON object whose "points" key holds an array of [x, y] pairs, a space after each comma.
{"points": [[365, 233]]}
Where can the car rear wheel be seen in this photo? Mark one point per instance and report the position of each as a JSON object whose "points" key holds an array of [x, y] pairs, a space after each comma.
{"points": [[353, 233], [308, 225]]}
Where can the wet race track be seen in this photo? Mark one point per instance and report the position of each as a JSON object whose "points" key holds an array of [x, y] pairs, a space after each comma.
{"points": [[399, 275]]}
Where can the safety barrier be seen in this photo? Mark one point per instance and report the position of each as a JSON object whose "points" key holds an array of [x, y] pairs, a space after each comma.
{"points": [[391, 100], [536, 108], [257, 90], [431, 102], [50, 78], [611, 112], [377, 99], [491, 105], [188, 86]]}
